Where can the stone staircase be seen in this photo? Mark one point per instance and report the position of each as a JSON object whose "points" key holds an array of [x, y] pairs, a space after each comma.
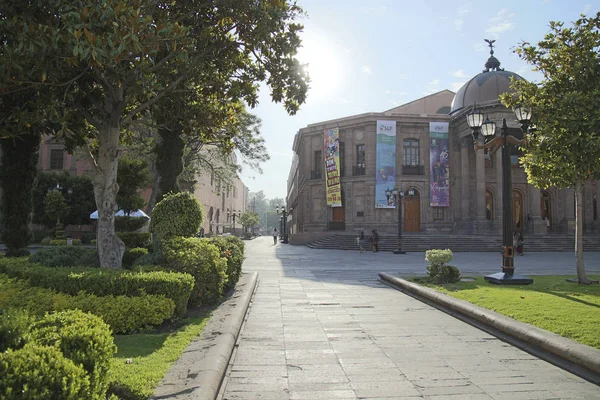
{"points": [[484, 243]]}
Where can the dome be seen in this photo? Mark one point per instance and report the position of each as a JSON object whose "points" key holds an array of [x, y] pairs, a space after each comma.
{"points": [[486, 86]]}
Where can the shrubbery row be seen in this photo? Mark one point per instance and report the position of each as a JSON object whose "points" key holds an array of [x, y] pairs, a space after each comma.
{"points": [[103, 282], [123, 314]]}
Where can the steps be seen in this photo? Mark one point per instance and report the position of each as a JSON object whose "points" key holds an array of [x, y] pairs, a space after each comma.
{"points": [[468, 243]]}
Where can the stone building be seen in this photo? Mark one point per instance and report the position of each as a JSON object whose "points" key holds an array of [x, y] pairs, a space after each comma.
{"points": [[473, 178]]}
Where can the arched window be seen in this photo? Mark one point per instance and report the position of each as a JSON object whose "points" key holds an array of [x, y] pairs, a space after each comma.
{"points": [[489, 205]]}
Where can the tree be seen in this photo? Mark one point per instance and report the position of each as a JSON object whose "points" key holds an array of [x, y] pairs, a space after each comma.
{"points": [[564, 150], [110, 61], [56, 206], [249, 219], [132, 175]]}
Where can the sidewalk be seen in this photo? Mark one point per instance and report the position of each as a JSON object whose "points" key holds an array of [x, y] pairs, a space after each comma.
{"points": [[321, 326]]}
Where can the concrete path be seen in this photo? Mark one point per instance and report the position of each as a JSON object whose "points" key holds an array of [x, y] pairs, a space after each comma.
{"points": [[322, 327]]}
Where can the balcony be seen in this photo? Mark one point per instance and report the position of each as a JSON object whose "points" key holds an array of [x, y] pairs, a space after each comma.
{"points": [[316, 174], [413, 170], [358, 170]]}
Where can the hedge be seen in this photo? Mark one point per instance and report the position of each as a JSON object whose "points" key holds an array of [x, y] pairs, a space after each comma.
{"points": [[203, 261], [135, 239], [103, 282], [66, 256], [131, 255], [123, 314], [232, 249]]}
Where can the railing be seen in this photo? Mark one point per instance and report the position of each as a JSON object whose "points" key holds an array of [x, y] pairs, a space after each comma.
{"points": [[413, 170], [315, 174], [358, 170]]}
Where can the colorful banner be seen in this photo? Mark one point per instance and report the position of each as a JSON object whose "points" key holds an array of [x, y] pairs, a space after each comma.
{"points": [[331, 150], [385, 164], [439, 165]]}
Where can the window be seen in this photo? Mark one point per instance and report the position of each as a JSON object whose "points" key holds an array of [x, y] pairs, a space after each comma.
{"points": [[317, 165], [234, 193], [438, 213], [411, 152], [342, 159], [212, 178], [56, 158], [360, 156]]}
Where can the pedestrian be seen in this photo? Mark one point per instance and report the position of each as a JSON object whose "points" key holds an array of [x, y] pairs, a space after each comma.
{"points": [[375, 240], [520, 244], [274, 236], [361, 241]]}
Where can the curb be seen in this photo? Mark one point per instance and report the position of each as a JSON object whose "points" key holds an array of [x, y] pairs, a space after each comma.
{"points": [[579, 354], [200, 369]]}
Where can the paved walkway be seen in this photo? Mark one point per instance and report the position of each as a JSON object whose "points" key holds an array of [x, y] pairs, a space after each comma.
{"points": [[322, 327]]}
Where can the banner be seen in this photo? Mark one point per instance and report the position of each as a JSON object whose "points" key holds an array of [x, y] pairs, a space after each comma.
{"points": [[439, 168], [385, 164], [331, 150]]}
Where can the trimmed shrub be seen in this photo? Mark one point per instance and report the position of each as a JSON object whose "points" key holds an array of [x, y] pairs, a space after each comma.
{"points": [[83, 338], [66, 256], [131, 255], [123, 314], [87, 237], [179, 214], [134, 239], [129, 224], [437, 269], [232, 249], [38, 236], [103, 282], [147, 259], [63, 242], [41, 372], [203, 261], [14, 329]]}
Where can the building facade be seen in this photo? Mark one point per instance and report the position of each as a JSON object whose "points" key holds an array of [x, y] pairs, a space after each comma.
{"points": [[427, 166]]}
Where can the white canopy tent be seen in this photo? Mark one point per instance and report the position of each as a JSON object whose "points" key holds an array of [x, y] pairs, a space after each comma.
{"points": [[121, 213]]}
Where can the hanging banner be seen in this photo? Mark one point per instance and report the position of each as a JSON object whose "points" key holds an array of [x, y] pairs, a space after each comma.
{"points": [[331, 150], [385, 164], [439, 167]]}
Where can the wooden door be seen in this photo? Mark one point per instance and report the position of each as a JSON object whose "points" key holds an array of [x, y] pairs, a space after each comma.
{"points": [[412, 213], [338, 214]]}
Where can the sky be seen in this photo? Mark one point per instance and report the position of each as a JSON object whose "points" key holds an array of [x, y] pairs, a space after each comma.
{"points": [[371, 56]]}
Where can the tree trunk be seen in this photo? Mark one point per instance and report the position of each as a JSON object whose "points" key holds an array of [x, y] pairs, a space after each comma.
{"points": [[581, 276], [110, 247], [155, 187], [169, 159]]}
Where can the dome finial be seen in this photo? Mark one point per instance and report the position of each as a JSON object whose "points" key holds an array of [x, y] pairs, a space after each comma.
{"points": [[492, 63]]}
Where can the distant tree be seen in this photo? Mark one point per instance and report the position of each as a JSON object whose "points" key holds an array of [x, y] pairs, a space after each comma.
{"points": [[564, 151], [133, 175], [249, 220], [56, 206]]}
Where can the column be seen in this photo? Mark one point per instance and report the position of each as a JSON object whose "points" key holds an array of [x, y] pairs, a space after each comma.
{"points": [[480, 185], [498, 199], [537, 224], [465, 147]]}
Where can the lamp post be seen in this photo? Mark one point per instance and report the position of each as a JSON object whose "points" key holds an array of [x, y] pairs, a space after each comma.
{"points": [[398, 195], [284, 214], [493, 143]]}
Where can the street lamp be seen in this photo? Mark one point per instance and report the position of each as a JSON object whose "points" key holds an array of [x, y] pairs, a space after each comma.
{"points": [[493, 143], [398, 195], [284, 213]]}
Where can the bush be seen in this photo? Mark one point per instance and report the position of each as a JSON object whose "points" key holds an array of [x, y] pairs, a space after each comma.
{"points": [[66, 256], [123, 314], [17, 253], [179, 214], [131, 255], [87, 237], [83, 338], [41, 372], [147, 259], [203, 261], [438, 271], [14, 329], [38, 236], [63, 242], [129, 224], [232, 249], [134, 239], [103, 282]]}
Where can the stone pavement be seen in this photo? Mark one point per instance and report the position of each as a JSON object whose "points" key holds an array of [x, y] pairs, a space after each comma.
{"points": [[322, 327]]}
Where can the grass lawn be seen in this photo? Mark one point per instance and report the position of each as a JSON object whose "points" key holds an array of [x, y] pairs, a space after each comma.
{"points": [[151, 356], [551, 303]]}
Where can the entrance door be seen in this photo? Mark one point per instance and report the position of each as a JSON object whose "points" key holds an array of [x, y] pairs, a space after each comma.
{"points": [[517, 206], [338, 214], [412, 213]]}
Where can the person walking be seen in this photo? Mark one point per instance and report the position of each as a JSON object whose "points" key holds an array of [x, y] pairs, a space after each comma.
{"points": [[375, 240], [275, 236], [361, 241], [520, 244]]}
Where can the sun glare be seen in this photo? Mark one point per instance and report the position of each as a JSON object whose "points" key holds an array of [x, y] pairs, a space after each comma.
{"points": [[324, 65]]}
